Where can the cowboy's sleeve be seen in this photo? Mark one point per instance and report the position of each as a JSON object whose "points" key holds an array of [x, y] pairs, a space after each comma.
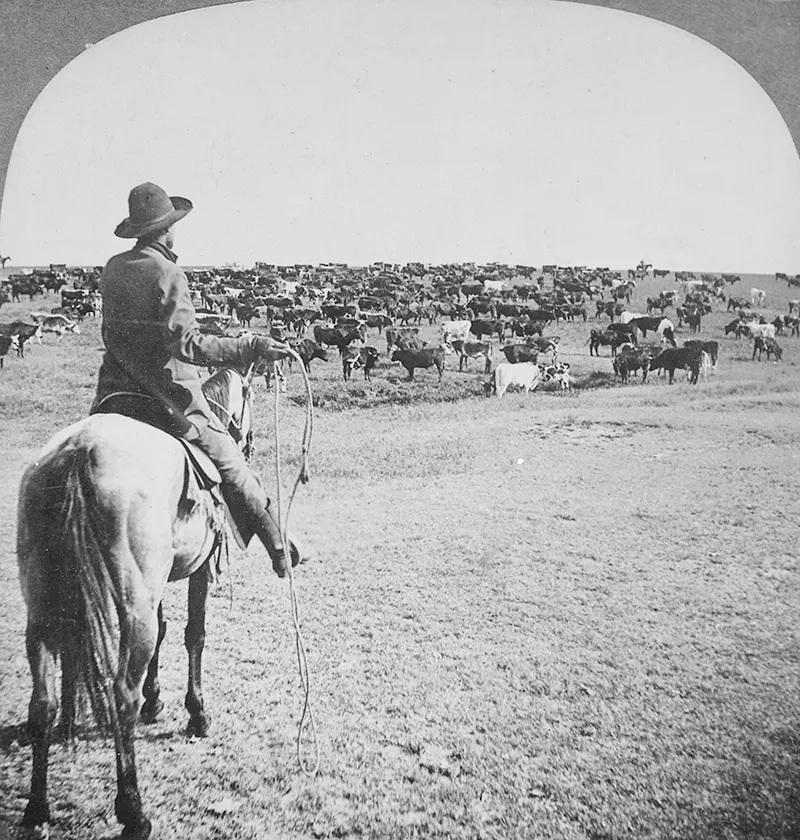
{"points": [[183, 337]]}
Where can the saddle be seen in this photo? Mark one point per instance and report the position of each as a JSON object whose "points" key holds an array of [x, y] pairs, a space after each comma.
{"points": [[200, 472]]}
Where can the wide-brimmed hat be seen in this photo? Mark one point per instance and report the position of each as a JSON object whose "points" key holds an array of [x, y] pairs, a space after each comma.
{"points": [[151, 209]]}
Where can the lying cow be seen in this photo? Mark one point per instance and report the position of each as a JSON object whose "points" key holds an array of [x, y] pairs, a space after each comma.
{"points": [[516, 353], [473, 350], [558, 373], [507, 376], [423, 358]]}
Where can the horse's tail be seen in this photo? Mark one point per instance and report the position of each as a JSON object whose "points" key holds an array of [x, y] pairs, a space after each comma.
{"points": [[89, 589]]}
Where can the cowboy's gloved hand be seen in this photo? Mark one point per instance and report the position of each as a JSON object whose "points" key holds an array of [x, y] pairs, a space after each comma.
{"points": [[268, 350]]}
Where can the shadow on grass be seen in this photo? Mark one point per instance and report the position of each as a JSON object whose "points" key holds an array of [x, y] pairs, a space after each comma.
{"points": [[763, 796]]}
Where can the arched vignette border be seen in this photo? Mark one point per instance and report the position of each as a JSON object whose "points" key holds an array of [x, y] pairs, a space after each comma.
{"points": [[38, 40]]}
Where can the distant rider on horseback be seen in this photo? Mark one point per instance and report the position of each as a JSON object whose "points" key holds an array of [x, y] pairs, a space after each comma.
{"points": [[153, 345]]}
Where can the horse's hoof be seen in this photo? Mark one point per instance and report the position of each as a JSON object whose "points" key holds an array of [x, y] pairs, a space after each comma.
{"points": [[198, 727], [36, 819], [150, 711], [141, 830], [35, 832]]}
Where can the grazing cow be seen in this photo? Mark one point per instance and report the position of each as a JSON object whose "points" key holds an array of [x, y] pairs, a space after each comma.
{"points": [[757, 296], [511, 376], [6, 342], [23, 332], [685, 358], [472, 350], [768, 346], [424, 358], [308, 350], [516, 353], [455, 330], [710, 347], [629, 359], [610, 338], [660, 272], [56, 324]]}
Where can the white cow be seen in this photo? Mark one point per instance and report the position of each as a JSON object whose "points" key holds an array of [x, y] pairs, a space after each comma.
{"points": [[455, 330], [761, 330], [523, 375], [57, 324], [626, 317], [757, 296], [494, 285]]}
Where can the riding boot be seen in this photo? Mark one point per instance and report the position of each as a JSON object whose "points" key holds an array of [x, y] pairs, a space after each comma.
{"points": [[268, 531]]}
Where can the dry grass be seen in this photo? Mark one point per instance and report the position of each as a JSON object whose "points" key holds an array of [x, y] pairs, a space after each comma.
{"points": [[531, 617]]}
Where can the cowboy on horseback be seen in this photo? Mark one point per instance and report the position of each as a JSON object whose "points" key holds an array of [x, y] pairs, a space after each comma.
{"points": [[153, 347]]}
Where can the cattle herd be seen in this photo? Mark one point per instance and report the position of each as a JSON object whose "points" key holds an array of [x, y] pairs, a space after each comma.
{"points": [[503, 317]]}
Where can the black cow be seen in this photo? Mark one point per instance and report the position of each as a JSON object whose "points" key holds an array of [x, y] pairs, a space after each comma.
{"points": [[23, 333], [481, 327], [335, 337], [6, 341], [516, 353], [685, 358], [379, 321], [630, 359], [403, 338], [608, 338], [424, 358], [710, 347], [308, 350]]}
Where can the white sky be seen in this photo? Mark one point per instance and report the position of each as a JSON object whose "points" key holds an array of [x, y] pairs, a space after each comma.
{"points": [[432, 130]]}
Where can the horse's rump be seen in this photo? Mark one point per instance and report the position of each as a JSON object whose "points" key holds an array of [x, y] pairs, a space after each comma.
{"points": [[106, 515]]}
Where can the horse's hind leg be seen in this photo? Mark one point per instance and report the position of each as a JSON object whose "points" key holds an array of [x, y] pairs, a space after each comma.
{"points": [[69, 655], [42, 645], [151, 690], [199, 721], [138, 635]]}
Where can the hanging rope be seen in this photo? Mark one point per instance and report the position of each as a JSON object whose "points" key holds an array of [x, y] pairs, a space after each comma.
{"points": [[309, 769]]}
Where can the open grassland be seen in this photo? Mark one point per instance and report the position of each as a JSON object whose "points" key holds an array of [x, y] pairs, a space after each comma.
{"points": [[538, 616]]}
